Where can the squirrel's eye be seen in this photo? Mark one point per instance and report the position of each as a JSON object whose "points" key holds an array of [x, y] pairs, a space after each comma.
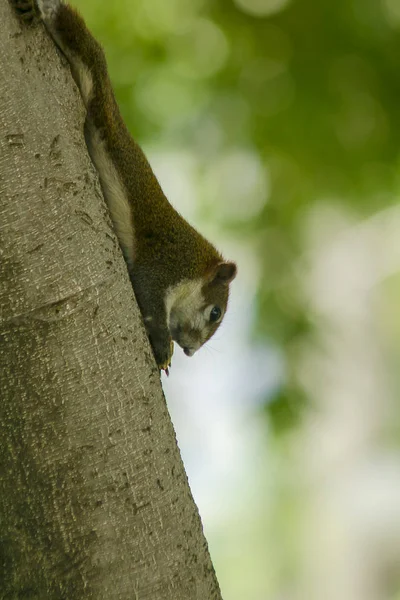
{"points": [[215, 314]]}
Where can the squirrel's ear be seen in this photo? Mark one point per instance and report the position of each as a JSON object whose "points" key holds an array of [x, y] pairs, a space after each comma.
{"points": [[225, 273]]}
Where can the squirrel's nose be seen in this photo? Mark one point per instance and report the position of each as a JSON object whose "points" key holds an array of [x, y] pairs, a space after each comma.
{"points": [[188, 351]]}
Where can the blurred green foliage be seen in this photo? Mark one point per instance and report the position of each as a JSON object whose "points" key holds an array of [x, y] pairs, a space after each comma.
{"points": [[286, 113], [311, 92]]}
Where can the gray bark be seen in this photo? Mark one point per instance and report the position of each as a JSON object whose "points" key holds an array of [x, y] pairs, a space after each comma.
{"points": [[94, 500]]}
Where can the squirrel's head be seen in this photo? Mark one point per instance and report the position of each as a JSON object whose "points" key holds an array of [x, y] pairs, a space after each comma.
{"points": [[195, 308]]}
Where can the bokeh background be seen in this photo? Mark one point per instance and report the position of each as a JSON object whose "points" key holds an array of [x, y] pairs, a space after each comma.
{"points": [[274, 127]]}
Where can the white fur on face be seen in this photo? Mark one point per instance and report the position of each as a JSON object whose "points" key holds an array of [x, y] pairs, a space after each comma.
{"points": [[188, 318], [187, 299], [184, 305]]}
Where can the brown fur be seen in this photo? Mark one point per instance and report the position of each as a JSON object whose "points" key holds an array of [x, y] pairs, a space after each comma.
{"points": [[166, 250]]}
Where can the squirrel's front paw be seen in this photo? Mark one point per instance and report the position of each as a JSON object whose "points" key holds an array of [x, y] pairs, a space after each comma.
{"points": [[163, 349], [24, 8]]}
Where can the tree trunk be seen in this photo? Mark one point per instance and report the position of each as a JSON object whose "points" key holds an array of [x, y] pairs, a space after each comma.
{"points": [[94, 500]]}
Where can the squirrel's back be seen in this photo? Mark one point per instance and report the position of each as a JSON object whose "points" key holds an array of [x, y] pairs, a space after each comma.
{"points": [[180, 280]]}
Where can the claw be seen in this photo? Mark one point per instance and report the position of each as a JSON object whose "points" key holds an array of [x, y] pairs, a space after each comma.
{"points": [[165, 366]]}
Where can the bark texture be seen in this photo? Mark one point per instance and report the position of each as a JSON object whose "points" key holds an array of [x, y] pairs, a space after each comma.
{"points": [[94, 500]]}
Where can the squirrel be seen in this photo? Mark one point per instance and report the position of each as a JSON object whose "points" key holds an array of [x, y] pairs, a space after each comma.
{"points": [[181, 282]]}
